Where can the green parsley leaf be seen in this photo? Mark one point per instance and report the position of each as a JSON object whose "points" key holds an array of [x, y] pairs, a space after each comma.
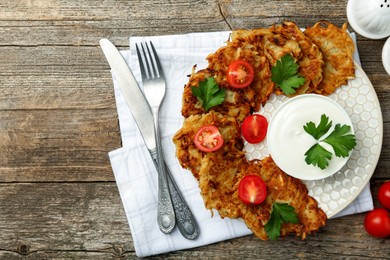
{"points": [[208, 93], [318, 156], [281, 213], [289, 85], [273, 225], [341, 141], [322, 128], [285, 75]]}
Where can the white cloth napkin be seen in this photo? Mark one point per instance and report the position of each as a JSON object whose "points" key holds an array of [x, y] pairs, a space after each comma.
{"points": [[134, 170]]}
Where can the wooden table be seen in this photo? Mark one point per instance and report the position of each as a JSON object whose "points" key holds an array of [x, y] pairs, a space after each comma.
{"points": [[58, 121]]}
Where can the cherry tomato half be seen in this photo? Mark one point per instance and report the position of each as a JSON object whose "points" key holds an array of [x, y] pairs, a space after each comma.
{"points": [[252, 190], [208, 138], [240, 74], [254, 128], [377, 223], [384, 195]]}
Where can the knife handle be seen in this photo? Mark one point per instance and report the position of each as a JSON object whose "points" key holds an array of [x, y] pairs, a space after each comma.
{"points": [[185, 220]]}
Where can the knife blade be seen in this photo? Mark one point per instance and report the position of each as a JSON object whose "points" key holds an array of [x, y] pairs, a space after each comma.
{"points": [[143, 117], [129, 87]]}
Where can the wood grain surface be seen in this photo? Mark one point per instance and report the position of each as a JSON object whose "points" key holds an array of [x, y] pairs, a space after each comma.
{"points": [[58, 121]]}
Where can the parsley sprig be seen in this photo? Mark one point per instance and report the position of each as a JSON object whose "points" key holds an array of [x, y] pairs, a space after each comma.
{"points": [[285, 75], [340, 139], [208, 93], [321, 129], [281, 213]]}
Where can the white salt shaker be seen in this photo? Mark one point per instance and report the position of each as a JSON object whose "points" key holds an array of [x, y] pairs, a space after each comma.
{"points": [[371, 19]]}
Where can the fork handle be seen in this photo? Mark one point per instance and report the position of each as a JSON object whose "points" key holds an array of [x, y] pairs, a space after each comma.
{"points": [[165, 212], [185, 219]]}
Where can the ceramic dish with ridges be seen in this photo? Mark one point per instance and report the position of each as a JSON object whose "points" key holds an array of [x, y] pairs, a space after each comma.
{"points": [[360, 101]]}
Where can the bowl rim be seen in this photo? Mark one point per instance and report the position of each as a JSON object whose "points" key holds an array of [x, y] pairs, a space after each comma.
{"points": [[321, 174], [386, 56]]}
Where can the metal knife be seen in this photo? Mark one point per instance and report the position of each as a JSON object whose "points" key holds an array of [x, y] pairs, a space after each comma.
{"points": [[144, 119]]}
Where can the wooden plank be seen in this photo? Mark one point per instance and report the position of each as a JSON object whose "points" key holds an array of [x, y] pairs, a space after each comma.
{"points": [[35, 143], [54, 220], [50, 94], [86, 24], [60, 219], [57, 173], [63, 23]]}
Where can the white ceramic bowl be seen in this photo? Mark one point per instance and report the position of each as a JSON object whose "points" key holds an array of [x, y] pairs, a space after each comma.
{"points": [[386, 55], [288, 141], [370, 18]]}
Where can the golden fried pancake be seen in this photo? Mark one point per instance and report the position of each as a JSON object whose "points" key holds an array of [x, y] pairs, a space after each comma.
{"points": [[310, 59], [268, 43], [235, 104], [337, 48], [258, 91], [283, 39], [239, 102], [190, 157], [219, 180]]}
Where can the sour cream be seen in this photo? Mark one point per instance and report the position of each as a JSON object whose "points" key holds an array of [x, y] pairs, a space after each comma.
{"points": [[288, 141]]}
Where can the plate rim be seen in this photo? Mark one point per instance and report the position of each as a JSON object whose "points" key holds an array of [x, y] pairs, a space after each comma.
{"points": [[380, 142]]}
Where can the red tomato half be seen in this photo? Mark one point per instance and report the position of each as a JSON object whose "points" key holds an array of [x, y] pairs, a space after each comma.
{"points": [[240, 74], [208, 139], [384, 195], [254, 128], [252, 190], [377, 223]]}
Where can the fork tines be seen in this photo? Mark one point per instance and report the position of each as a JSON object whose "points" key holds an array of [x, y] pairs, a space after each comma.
{"points": [[149, 62]]}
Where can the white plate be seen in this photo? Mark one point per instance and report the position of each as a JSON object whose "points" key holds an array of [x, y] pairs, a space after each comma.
{"points": [[360, 101]]}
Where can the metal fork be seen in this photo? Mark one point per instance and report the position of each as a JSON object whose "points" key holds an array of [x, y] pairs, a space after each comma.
{"points": [[154, 89]]}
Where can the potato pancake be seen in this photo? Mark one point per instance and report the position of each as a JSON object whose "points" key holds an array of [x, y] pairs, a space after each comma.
{"points": [[258, 92], [190, 157], [235, 105], [268, 43], [337, 48], [219, 180], [239, 102], [310, 60]]}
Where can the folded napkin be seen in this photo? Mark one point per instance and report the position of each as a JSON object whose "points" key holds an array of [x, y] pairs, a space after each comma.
{"points": [[134, 170]]}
